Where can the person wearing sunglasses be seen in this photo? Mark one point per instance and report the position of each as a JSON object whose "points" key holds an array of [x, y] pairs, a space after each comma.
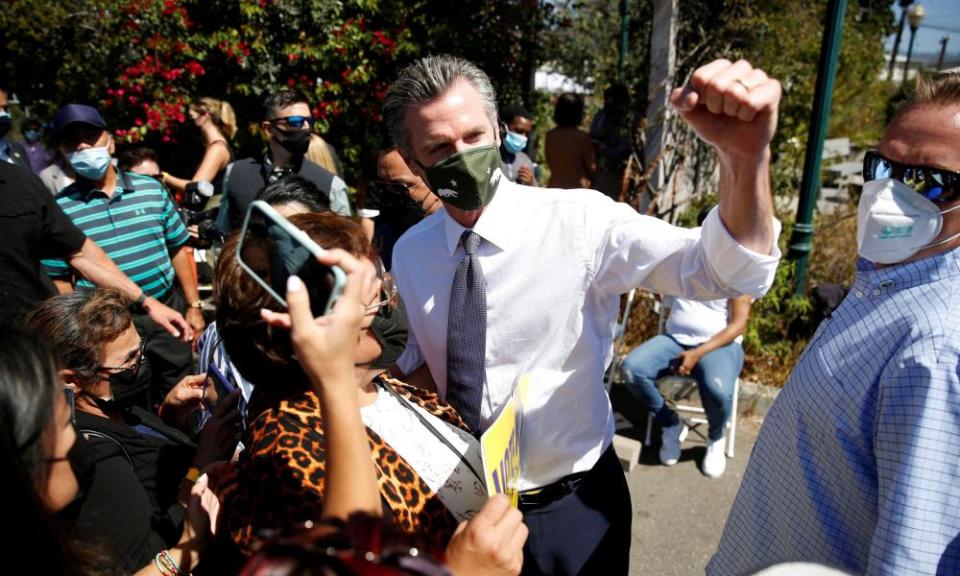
{"points": [[856, 463], [136, 502], [287, 125], [395, 201]]}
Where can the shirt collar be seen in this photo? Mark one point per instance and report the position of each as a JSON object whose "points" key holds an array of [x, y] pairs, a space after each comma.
{"points": [[123, 185], [900, 276], [496, 224]]}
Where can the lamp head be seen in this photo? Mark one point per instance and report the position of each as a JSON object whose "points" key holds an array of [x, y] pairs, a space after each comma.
{"points": [[915, 15]]}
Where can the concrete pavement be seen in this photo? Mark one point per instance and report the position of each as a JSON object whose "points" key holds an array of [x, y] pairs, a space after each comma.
{"points": [[678, 513]]}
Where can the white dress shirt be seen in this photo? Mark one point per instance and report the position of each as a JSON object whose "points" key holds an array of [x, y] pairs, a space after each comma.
{"points": [[556, 262]]}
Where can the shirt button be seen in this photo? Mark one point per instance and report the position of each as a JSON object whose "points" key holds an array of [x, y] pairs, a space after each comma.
{"points": [[876, 292], [859, 294]]}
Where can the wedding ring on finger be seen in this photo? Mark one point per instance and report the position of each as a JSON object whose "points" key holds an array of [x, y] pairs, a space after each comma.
{"points": [[746, 86]]}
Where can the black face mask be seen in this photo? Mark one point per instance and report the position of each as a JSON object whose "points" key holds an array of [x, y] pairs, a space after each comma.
{"points": [[83, 463], [390, 328], [294, 141], [4, 125], [126, 388]]}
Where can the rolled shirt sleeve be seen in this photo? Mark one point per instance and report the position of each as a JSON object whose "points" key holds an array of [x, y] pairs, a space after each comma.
{"points": [[700, 263]]}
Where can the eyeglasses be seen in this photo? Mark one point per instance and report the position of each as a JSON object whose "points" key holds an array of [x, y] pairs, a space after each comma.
{"points": [[297, 122], [388, 290], [935, 184], [132, 369]]}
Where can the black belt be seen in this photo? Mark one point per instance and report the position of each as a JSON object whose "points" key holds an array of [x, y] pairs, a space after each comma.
{"points": [[540, 497]]}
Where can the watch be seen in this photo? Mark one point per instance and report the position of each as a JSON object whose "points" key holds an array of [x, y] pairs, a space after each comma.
{"points": [[198, 305]]}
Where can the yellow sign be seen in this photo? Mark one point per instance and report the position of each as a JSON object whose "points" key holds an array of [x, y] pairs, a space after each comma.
{"points": [[500, 446]]}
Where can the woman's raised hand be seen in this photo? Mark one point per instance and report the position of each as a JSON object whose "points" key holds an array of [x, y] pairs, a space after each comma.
{"points": [[325, 345]]}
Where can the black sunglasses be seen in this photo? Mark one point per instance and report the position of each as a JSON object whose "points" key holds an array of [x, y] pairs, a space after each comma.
{"points": [[387, 188], [935, 184], [293, 121]]}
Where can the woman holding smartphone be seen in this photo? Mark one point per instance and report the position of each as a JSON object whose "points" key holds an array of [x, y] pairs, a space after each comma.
{"points": [[427, 464]]}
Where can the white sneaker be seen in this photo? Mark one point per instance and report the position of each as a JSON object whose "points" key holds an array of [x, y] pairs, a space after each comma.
{"points": [[673, 436], [715, 461]]}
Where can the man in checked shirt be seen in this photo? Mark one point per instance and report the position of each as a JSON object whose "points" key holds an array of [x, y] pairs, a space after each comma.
{"points": [[858, 463]]}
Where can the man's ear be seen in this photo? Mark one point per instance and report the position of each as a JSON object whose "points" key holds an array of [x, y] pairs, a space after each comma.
{"points": [[111, 145], [265, 127]]}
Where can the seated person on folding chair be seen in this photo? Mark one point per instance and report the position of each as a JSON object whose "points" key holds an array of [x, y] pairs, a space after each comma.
{"points": [[702, 340]]}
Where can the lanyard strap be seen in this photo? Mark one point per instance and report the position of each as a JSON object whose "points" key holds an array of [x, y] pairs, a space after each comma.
{"points": [[426, 423]]}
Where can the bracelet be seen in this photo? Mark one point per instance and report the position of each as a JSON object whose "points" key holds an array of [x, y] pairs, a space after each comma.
{"points": [[141, 299], [198, 305], [164, 564], [167, 560], [163, 177]]}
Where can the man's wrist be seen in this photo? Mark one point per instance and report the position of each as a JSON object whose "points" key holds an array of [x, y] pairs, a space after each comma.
{"points": [[196, 305], [140, 303], [742, 160]]}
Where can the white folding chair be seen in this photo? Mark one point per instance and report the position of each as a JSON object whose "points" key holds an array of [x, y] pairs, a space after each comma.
{"points": [[613, 371], [678, 390]]}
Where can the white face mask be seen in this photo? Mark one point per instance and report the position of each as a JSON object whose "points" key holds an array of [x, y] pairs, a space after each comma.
{"points": [[894, 222]]}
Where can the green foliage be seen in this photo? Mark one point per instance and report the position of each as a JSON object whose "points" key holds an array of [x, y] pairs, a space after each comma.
{"points": [[142, 61]]}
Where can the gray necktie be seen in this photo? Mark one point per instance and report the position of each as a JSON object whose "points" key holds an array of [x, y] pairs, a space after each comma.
{"points": [[467, 334]]}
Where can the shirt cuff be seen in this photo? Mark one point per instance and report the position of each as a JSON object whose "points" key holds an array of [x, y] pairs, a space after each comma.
{"points": [[368, 213], [735, 265]]}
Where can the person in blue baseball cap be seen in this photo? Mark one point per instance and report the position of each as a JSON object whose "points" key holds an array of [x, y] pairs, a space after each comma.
{"points": [[134, 219]]}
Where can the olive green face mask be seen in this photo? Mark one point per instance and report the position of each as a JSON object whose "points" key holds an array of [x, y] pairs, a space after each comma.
{"points": [[467, 180]]}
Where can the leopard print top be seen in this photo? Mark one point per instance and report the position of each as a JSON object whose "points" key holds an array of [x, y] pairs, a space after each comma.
{"points": [[282, 472]]}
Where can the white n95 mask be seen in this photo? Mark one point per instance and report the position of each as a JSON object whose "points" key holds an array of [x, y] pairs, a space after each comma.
{"points": [[894, 222]]}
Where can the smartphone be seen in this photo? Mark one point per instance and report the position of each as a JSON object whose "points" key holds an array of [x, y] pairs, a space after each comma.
{"points": [[272, 249]]}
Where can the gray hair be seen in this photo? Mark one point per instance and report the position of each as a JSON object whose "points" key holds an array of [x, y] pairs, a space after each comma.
{"points": [[425, 80]]}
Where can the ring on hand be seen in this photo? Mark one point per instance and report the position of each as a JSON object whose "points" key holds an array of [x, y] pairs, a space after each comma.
{"points": [[742, 83]]}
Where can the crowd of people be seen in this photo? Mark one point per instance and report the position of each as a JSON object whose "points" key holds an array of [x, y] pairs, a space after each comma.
{"points": [[141, 435]]}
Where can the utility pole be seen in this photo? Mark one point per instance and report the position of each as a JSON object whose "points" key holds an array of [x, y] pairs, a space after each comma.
{"points": [[801, 241], [896, 41], [943, 51]]}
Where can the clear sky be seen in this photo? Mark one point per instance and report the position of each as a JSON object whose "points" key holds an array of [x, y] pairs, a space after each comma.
{"points": [[940, 13]]}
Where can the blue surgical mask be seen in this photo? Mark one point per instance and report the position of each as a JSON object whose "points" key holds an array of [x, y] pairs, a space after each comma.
{"points": [[91, 163], [514, 142], [31, 135]]}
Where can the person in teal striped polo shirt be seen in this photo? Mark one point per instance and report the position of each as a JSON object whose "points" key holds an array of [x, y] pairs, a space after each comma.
{"points": [[134, 220]]}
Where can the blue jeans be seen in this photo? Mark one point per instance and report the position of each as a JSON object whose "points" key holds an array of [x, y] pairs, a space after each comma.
{"points": [[715, 374]]}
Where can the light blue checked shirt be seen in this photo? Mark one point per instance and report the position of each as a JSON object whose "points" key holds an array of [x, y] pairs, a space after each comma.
{"points": [[858, 463]]}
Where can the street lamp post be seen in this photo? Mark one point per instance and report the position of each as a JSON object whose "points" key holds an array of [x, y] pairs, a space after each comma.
{"points": [[624, 27], [915, 17], [896, 41], [801, 241]]}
